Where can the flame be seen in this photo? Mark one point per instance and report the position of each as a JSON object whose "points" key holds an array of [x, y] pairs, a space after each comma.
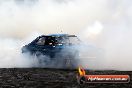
{"points": [[81, 71]]}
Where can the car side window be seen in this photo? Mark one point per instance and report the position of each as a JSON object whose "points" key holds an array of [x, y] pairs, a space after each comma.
{"points": [[41, 41], [74, 40]]}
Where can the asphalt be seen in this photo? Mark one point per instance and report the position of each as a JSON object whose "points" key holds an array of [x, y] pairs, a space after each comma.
{"points": [[53, 78]]}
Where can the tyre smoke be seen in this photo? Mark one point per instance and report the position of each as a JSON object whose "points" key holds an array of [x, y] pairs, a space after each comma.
{"points": [[105, 25]]}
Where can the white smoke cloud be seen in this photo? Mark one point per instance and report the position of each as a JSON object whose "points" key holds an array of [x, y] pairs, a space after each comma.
{"points": [[110, 20]]}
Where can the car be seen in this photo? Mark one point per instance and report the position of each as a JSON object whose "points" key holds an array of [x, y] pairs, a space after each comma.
{"points": [[54, 50]]}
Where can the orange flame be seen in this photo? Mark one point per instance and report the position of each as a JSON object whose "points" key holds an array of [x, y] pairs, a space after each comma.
{"points": [[81, 71]]}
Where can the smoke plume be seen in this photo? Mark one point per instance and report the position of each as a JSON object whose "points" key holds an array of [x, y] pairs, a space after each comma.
{"points": [[105, 25]]}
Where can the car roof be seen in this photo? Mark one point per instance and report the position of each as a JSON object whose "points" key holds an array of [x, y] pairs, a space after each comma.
{"points": [[59, 35]]}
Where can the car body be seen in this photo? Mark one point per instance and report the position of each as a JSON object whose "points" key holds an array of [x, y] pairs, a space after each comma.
{"points": [[59, 49]]}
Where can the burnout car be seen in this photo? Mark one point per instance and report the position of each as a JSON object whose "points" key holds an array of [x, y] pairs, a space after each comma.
{"points": [[55, 50]]}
